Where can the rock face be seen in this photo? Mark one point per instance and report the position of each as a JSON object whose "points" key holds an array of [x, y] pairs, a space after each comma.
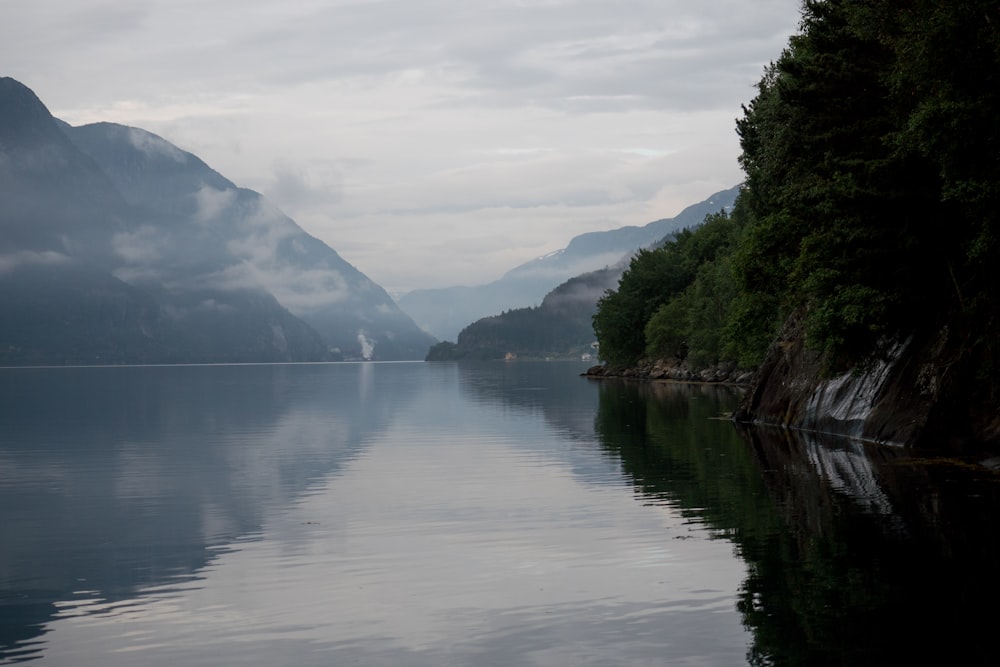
{"points": [[919, 393]]}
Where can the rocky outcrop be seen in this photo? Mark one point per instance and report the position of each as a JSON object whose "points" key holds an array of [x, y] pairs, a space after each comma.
{"points": [[932, 389], [675, 370], [920, 391]]}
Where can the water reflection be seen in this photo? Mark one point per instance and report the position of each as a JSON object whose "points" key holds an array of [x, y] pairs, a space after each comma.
{"points": [[455, 515], [885, 557], [555, 392], [468, 527], [553, 389], [116, 480], [856, 554]]}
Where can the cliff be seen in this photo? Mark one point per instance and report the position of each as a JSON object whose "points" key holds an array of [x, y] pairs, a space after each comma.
{"points": [[923, 391]]}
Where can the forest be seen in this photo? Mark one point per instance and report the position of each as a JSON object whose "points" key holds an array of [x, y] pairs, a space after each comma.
{"points": [[871, 155]]}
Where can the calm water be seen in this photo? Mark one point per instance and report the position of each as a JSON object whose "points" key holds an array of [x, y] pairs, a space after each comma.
{"points": [[500, 514]]}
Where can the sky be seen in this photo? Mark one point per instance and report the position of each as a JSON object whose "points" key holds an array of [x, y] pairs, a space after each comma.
{"points": [[431, 143]]}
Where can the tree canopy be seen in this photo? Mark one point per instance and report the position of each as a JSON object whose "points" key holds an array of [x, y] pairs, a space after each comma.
{"points": [[872, 160]]}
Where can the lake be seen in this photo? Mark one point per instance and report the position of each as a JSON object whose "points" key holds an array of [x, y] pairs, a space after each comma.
{"points": [[491, 514]]}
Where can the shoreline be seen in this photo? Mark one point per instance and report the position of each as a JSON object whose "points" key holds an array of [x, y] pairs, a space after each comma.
{"points": [[672, 371]]}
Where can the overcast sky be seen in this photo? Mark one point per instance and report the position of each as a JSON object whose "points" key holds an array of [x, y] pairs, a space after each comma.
{"points": [[430, 142]]}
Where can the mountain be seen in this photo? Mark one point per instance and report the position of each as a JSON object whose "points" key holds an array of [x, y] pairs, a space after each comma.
{"points": [[561, 326], [118, 247], [353, 315], [444, 312]]}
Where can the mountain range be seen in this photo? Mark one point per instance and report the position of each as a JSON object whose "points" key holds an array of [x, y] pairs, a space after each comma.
{"points": [[446, 311], [118, 247], [560, 327]]}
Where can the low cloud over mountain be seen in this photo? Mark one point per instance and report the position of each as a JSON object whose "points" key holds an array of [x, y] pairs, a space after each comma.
{"points": [[445, 312], [118, 247]]}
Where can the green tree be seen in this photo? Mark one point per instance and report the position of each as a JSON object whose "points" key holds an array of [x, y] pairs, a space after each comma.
{"points": [[871, 200], [652, 277], [947, 81], [837, 218], [692, 324], [658, 279]]}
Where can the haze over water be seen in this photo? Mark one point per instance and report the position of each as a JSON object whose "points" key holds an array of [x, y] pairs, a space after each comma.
{"points": [[425, 514]]}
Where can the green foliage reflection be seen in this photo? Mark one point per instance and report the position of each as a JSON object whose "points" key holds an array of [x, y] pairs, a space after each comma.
{"points": [[878, 559]]}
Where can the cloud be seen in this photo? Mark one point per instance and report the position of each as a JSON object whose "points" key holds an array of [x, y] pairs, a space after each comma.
{"points": [[262, 229], [301, 292], [254, 257], [145, 245], [390, 127], [573, 268], [27, 258], [577, 294], [212, 203], [305, 185], [155, 146]]}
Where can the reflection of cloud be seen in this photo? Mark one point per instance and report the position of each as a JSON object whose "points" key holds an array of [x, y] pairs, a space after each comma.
{"points": [[25, 258], [522, 563]]}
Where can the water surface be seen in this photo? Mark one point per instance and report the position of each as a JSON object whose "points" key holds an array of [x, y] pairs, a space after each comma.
{"points": [[441, 514]]}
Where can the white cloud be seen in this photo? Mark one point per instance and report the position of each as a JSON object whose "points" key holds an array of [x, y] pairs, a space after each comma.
{"points": [[27, 258], [211, 203], [301, 292], [306, 185], [262, 228], [150, 144], [142, 246], [390, 128]]}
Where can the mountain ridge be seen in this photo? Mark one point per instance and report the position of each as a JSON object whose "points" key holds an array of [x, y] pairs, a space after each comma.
{"points": [[444, 312], [106, 218]]}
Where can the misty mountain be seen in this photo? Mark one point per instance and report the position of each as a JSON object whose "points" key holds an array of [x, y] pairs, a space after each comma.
{"points": [[561, 326], [118, 247], [445, 311]]}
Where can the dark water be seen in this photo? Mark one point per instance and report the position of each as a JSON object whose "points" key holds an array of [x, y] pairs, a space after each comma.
{"points": [[501, 514]]}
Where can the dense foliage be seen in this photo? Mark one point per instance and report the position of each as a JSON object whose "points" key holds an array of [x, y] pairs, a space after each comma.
{"points": [[872, 161], [655, 300]]}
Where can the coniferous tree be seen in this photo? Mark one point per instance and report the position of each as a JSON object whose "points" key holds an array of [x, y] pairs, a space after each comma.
{"points": [[838, 217], [871, 201]]}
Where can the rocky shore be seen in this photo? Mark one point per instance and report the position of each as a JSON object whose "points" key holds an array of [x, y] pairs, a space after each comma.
{"points": [[671, 369]]}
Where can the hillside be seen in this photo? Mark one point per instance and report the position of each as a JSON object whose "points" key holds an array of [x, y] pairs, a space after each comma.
{"points": [[445, 312], [560, 327], [118, 247]]}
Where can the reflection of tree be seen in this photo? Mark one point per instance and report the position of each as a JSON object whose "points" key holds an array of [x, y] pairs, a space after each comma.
{"points": [[856, 555], [555, 388], [675, 448]]}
